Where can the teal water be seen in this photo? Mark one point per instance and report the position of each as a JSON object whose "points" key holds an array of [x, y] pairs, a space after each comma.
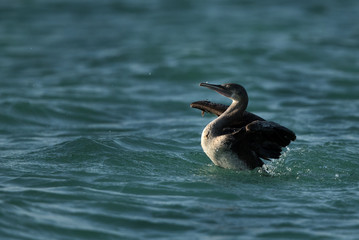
{"points": [[97, 139]]}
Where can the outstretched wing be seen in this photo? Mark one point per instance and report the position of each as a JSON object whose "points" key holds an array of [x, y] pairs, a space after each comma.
{"points": [[210, 107], [218, 109], [266, 139]]}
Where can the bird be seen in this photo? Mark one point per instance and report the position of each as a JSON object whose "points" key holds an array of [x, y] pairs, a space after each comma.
{"points": [[238, 139]]}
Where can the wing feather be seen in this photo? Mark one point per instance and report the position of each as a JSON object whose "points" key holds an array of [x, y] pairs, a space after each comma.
{"points": [[267, 138], [218, 109]]}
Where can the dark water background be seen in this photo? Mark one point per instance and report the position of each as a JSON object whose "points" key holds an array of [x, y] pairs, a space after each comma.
{"points": [[97, 140]]}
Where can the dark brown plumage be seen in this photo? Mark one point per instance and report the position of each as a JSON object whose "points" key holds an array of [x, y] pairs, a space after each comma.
{"points": [[238, 139]]}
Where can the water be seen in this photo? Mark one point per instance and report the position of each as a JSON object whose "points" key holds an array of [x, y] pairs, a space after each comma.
{"points": [[98, 140]]}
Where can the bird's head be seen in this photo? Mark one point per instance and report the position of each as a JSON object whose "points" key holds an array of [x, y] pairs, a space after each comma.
{"points": [[233, 91]]}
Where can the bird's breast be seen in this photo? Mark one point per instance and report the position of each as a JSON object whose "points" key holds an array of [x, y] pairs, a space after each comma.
{"points": [[218, 149]]}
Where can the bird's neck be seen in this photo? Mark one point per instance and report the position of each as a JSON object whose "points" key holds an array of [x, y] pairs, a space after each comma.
{"points": [[233, 113]]}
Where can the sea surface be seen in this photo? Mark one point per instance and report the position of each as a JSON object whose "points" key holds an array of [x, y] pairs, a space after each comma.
{"points": [[97, 139]]}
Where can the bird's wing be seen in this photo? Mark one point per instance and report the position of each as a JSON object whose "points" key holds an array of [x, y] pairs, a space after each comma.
{"points": [[266, 139], [218, 109], [210, 107]]}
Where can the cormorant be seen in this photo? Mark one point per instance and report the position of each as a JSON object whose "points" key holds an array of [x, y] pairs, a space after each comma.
{"points": [[238, 139]]}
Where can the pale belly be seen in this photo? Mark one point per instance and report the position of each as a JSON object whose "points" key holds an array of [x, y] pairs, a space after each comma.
{"points": [[218, 150]]}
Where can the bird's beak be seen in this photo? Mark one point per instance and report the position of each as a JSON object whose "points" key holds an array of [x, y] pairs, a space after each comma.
{"points": [[218, 88]]}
